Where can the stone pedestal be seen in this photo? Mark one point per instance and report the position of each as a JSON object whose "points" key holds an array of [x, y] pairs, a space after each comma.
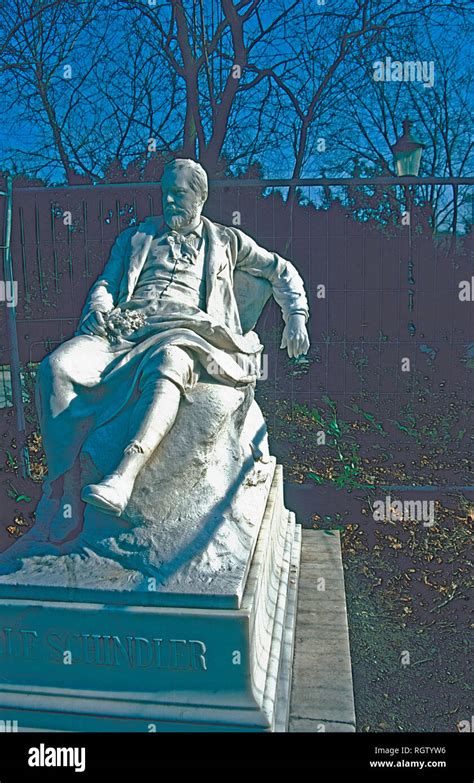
{"points": [[76, 656]]}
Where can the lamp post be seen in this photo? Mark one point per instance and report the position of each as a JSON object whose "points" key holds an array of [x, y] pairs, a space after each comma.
{"points": [[407, 152], [407, 158]]}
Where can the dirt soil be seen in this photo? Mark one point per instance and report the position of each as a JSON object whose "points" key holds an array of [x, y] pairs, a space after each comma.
{"points": [[407, 583]]}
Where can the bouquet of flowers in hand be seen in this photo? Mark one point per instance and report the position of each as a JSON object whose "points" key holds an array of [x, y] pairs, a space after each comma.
{"points": [[120, 323]]}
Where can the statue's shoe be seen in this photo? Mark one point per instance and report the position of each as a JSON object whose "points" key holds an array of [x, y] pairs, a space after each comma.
{"points": [[111, 495]]}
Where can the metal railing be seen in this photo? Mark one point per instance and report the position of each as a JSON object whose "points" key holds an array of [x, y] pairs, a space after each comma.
{"points": [[56, 263]]}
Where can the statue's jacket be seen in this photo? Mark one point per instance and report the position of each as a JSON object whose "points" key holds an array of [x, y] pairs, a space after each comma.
{"points": [[229, 250], [240, 277]]}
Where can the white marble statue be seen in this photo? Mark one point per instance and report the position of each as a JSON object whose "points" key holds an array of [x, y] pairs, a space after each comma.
{"points": [[163, 311]]}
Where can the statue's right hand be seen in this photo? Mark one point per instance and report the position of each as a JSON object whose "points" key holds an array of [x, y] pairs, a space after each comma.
{"points": [[95, 324]]}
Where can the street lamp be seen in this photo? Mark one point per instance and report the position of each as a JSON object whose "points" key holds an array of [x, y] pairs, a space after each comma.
{"points": [[407, 152]]}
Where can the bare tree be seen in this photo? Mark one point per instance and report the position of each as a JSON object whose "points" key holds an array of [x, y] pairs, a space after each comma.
{"points": [[78, 90], [371, 121], [286, 84], [40, 38], [208, 52]]}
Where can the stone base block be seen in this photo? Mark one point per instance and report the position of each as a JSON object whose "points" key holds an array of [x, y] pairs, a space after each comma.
{"points": [[97, 666]]}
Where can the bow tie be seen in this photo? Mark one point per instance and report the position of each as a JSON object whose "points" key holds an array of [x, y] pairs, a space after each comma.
{"points": [[182, 246]]}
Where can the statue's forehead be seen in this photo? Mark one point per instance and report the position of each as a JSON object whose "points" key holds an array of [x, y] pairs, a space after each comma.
{"points": [[177, 177]]}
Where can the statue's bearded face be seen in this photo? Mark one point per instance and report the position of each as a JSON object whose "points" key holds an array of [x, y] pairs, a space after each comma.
{"points": [[181, 204]]}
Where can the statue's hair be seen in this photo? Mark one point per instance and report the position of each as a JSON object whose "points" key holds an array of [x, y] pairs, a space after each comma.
{"points": [[198, 178]]}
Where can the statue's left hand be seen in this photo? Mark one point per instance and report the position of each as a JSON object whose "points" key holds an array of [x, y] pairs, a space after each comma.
{"points": [[295, 336]]}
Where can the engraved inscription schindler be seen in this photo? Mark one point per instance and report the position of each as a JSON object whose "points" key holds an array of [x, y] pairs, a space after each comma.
{"points": [[137, 652]]}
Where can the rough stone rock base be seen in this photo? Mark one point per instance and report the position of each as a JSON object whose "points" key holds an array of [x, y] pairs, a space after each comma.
{"points": [[188, 534]]}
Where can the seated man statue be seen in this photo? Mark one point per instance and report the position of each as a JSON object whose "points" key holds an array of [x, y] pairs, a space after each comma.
{"points": [[163, 310]]}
